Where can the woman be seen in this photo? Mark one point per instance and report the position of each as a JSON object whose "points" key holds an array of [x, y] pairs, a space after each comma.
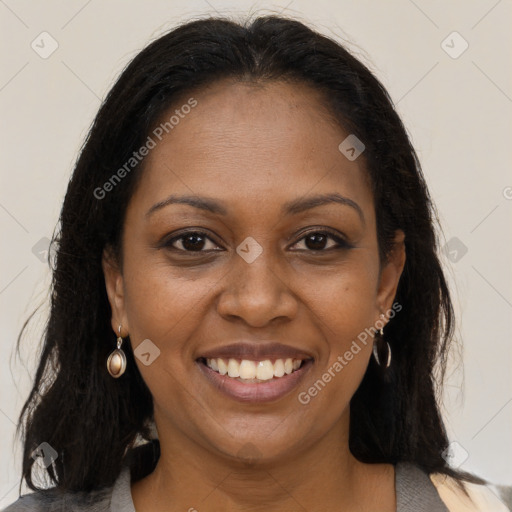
{"points": [[247, 306]]}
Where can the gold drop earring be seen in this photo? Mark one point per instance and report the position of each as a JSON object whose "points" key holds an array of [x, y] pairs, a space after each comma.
{"points": [[116, 362]]}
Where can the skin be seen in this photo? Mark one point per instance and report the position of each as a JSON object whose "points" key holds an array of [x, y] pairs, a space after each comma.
{"points": [[253, 147]]}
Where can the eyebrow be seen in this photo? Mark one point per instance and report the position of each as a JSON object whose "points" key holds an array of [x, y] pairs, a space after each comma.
{"points": [[290, 208]]}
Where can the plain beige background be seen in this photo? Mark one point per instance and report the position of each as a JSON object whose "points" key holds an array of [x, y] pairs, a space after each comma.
{"points": [[455, 101]]}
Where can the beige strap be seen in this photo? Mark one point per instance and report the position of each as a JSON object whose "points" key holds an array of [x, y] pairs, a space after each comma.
{"points": [[482, 498]]}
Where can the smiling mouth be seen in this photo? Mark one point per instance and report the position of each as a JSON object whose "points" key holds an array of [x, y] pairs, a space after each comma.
{"points": [[252, 371]]}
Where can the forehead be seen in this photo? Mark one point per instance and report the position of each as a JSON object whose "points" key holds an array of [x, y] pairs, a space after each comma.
{"points": [[253, 146]]}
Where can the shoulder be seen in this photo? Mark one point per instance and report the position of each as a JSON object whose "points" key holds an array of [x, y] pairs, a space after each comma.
{"points": [[50, 500], [117, 497], [482, 498]]}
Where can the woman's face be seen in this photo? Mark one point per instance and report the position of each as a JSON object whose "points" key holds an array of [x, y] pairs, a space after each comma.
{"points": [[268, 265]]}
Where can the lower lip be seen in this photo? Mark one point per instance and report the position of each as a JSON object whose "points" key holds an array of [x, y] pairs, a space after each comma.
{"points": [[257, 392]]}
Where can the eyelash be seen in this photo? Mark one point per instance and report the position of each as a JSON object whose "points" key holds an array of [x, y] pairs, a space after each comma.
{"points": [[342, 244]]}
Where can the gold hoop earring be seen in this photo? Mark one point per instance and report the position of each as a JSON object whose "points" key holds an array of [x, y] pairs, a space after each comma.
{"points": [[116, 362]]}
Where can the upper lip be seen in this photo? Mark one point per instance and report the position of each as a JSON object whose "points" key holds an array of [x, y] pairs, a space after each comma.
{"points": [[256, 351]]}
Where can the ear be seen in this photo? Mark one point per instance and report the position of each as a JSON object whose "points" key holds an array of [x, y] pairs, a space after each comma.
{"points": [[114, 284], [391, 272]]}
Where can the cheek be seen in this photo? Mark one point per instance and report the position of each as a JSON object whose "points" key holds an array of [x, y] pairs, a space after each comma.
{"points": [[163, 309], [345, 301], [159, 304], [344, 308]]}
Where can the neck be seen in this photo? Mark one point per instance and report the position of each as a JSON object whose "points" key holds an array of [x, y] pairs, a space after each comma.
{"points": [[323, 476]]}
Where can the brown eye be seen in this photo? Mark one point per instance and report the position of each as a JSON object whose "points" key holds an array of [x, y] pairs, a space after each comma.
{"points": [[318, 241], [193, 241]]}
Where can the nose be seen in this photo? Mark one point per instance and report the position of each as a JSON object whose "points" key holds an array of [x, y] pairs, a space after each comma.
{"points": [[257, 292]]}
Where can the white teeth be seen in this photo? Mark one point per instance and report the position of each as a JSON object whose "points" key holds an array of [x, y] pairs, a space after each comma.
{"points": [[223, 369], [248, 370], [265, 370], [233, 368], [279, 368]]}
